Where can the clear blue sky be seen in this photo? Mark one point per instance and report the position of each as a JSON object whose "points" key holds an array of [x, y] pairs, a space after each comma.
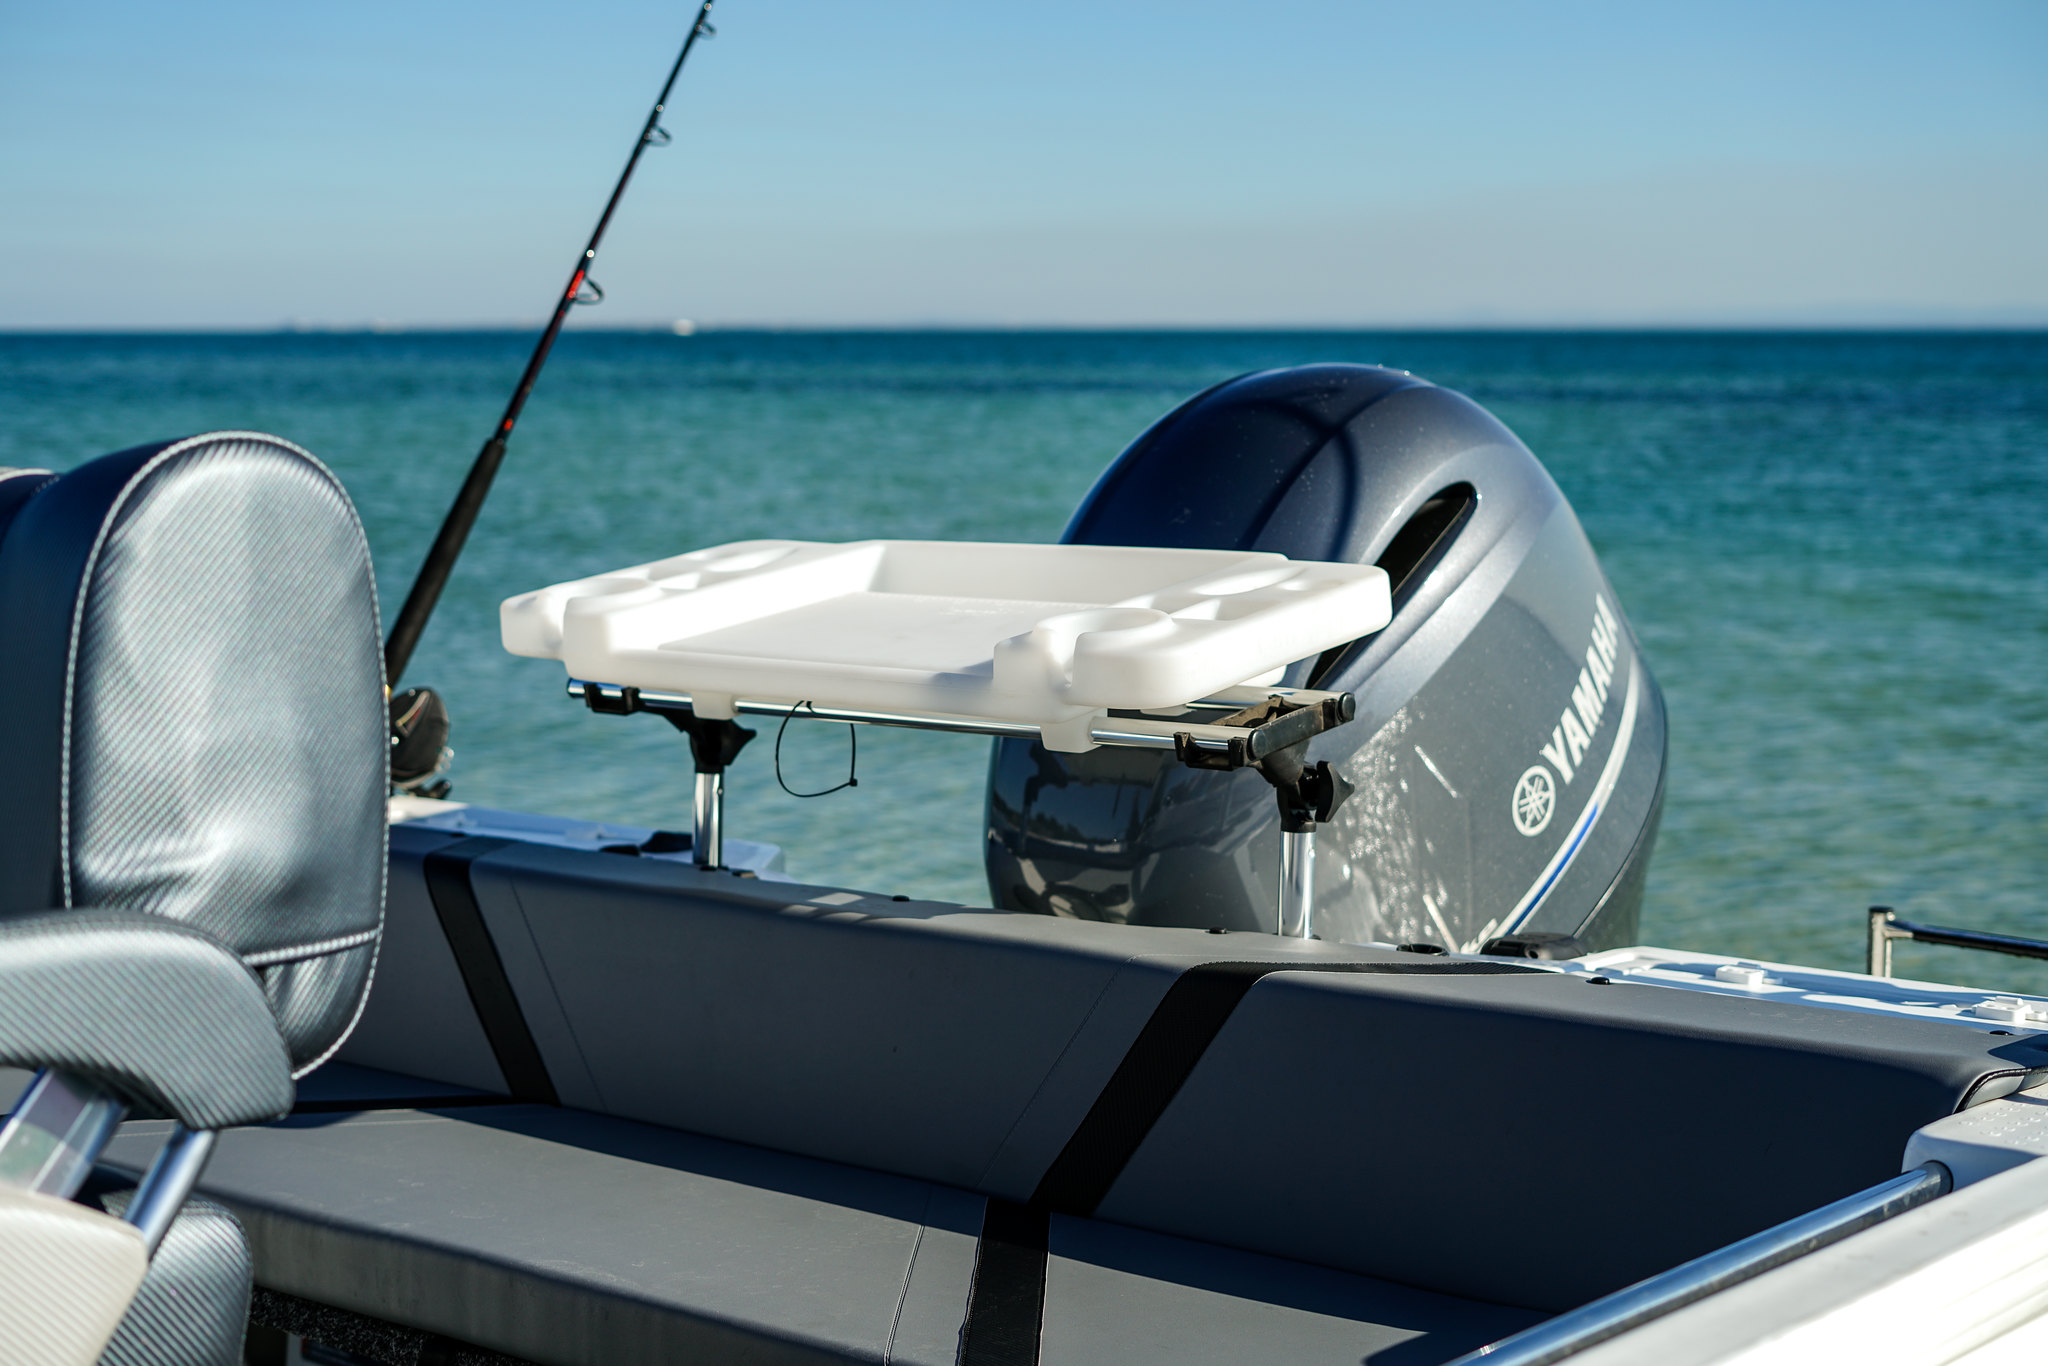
{"points": [[438, 162]]}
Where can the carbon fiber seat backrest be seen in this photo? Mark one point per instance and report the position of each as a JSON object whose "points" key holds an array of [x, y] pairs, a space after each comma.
{"points": [[193, 693], [17, 486]]}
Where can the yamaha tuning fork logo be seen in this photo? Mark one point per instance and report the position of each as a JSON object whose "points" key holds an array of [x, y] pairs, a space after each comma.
{"points": [[1535, 800], [1536, 792]]}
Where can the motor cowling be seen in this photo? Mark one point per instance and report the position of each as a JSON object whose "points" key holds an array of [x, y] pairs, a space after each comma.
{"points": [[1507, 763]]}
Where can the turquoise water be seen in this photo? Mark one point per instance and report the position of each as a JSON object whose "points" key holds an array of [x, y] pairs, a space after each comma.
{"points": [[1833, 547]]}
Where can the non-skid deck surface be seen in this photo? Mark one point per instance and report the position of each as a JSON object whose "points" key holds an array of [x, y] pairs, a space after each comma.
{"points": [[566, 1237]]}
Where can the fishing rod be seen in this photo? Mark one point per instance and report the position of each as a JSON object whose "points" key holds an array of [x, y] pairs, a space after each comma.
{"points": [[455, 528]]}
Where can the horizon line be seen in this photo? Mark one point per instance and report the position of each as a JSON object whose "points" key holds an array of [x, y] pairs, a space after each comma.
{"points": [[684, 328]]}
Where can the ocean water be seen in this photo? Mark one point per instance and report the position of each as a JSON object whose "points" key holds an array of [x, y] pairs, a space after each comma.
{"points": [[1834, 547]]}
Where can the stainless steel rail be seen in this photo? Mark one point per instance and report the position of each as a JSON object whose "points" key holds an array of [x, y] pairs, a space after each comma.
{"points": [[1118, 731], [1886, 927], [1176, 730], [1555, 1339]]}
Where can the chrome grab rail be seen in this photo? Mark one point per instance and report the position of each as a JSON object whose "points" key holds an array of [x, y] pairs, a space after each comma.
{"points": [[1612, 1315], [1885, 927], [1118, 730]]}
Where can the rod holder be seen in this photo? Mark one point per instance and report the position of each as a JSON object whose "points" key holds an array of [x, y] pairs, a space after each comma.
{"points": [[1267, 730], [707, 814], [714, 743], [1272, 739], [1298, 883]]}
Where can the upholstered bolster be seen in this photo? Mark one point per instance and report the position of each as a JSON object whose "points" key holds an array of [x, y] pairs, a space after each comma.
{"points": [[163, 1015], [67, 1273]]}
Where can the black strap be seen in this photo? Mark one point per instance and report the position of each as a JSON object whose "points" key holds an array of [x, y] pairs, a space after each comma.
{"points": [[483, 972], [1006, 1306], [1183, 1025]]}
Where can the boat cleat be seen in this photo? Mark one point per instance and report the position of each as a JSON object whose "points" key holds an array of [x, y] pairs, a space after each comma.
{"points": [[2009, 1010]]}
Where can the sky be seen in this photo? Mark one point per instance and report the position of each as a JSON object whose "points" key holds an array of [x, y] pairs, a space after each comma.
{"points": [[439, 163]]}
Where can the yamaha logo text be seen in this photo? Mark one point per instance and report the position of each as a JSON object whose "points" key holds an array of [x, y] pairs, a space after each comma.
{"points": [[1536, 791]]}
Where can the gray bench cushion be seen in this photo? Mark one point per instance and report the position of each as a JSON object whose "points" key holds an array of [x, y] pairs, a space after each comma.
{"points": [[574, 1238], [1433, 1121], [1121, 1295], [921, 1038], [966, 1047]]}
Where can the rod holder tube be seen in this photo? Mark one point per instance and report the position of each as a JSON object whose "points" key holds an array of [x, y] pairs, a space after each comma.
{"points": [[1613, 1315], [1880, 956], [162, 1191], [1297, 883], [707, 810]]}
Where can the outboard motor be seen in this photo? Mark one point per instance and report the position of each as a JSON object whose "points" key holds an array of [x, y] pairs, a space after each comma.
{"points": [[1507, 763]]}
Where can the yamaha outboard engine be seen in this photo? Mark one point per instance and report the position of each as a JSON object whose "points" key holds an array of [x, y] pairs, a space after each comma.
{"points": [[1507, 763]]}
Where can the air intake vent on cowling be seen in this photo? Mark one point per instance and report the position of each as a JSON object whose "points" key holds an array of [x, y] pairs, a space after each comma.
{"points": [[1415, 550]]}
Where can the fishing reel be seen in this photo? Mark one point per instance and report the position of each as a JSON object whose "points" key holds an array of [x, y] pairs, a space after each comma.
{"points": [[419, 744]]}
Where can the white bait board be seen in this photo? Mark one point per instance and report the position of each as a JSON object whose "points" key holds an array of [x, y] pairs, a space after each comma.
{"points": [[1051, 635]]}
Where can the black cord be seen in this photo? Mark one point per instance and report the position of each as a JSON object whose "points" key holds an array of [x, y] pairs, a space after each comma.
{"points": [[852, 757]]}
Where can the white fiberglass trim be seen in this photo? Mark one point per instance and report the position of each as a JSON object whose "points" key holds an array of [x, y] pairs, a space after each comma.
{"points": [[1595, 804], [1821, 988], [1955, 1275]]}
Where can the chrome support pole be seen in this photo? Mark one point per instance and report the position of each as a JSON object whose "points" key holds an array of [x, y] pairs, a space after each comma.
{"points": [[707, 809], [56, 1132], [1298, 883], [161, 1193], [1179, 730], [1615, 1314], [1880, 956]]}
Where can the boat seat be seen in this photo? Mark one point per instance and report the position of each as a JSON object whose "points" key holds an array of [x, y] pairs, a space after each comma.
{"points": [[189, 1309], [192, 1309], [198, 757], [1379, 1113], [566, 1237]]}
